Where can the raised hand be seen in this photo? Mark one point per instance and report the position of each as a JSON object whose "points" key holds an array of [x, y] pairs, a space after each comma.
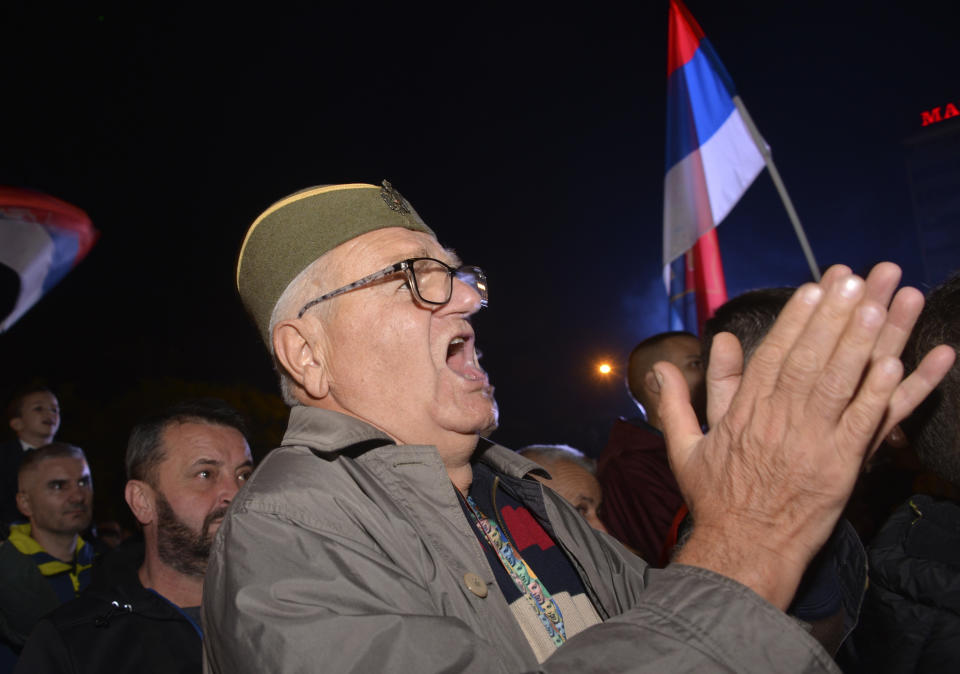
{"points": [[789, 435]]}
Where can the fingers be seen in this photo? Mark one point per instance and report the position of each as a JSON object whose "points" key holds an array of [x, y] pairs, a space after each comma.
{"points": [[902, 315], [834, 274], [723, 375], [840, 378], [849, 329], [859, 422], [817, 352], [680, 426], [882, 282], [768, 359], [921, 382], [810, 352], [903, 311]]}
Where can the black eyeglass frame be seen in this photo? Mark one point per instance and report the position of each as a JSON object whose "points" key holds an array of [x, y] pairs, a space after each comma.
{"points": [[406, 266]]}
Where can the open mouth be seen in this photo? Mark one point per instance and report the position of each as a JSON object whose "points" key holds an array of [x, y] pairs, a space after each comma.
{"points": [[462, 359]]}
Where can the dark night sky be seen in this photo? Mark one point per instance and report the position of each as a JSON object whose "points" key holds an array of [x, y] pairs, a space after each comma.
{"points": [[532, 143]]}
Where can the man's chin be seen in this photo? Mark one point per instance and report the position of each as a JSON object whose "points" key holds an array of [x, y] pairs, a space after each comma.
{"points": [[84, 516], [478, 422], [73, 526]]}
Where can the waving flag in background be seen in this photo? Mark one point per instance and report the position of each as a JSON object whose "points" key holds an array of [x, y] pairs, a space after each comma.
{"points": [[712, 159], [41, 239]]}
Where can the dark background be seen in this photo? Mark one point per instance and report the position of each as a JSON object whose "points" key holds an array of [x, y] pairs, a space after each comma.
{"points": [[531, 141]]}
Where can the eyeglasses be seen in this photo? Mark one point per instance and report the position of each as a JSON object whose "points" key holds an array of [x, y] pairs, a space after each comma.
{"points": [[432, 281]]}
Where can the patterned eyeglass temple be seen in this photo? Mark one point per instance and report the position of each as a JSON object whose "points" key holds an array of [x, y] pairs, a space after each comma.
{"points": [[472, 276]]}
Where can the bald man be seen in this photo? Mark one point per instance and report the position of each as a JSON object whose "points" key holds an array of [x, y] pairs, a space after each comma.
{"points": [[45, 562], [641, 496], [572, 475]]}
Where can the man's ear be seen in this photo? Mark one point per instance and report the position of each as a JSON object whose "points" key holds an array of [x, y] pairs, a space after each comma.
{"points": [[23, 504], [297, 346], [16, 423], [141, 499], [650, 385]]}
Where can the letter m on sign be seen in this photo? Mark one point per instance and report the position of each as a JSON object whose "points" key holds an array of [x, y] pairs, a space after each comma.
{"points": [[929, 117]]}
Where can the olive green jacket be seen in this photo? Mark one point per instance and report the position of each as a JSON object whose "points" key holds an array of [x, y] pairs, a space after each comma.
{"points": [[347, 553]]}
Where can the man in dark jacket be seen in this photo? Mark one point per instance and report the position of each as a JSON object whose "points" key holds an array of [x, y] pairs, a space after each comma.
{"points": [[142, 613], [911, 616], [45, 562]]}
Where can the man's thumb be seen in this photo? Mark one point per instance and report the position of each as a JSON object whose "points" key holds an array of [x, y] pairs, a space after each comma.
{"points": [[680, 426]]}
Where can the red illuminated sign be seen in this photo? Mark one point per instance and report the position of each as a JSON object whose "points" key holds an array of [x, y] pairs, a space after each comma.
{"points": [[938, 114]]}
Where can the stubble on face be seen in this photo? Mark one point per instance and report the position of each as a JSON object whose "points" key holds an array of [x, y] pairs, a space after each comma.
{"points": [[178, 545]]}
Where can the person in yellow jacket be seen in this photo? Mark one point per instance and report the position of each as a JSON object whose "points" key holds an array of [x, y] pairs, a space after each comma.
{"points": [[45, 562]]}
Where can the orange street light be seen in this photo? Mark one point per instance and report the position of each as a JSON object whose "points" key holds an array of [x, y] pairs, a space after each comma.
{"points": [[604, 368]]}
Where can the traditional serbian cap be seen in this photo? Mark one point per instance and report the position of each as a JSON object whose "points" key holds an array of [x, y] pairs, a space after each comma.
{"points": [[295, 231]]}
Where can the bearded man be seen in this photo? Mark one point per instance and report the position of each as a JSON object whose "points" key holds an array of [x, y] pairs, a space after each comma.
{"points": [[184, 467], [386, 536]]}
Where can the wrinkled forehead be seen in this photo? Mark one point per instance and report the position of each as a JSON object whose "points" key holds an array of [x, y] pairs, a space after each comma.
{"points": [[373, 251], [185, 442]]}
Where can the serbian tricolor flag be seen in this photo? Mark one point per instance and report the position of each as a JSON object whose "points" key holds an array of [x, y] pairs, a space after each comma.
{"points": [[711, 161], [41, 239]]}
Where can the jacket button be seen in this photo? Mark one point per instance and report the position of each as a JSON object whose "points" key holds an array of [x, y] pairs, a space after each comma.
{"points": [[475, 584]]}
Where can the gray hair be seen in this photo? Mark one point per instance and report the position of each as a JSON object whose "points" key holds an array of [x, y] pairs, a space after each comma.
{"points": [[294, 296], [551, 453]]}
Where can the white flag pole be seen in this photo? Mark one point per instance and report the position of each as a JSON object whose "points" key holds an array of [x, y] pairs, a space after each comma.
{"points": [[781, 188]]}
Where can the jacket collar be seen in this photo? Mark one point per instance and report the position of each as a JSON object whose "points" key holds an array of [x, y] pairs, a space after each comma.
{"points": [[325, 431], [506, 461], [21, 536]]}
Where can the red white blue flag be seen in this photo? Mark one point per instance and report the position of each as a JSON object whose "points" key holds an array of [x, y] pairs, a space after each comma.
{"points": [[41, 239], [711, 161]]}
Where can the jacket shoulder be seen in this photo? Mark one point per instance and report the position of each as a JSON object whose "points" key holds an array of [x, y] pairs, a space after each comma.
{"points": [[311, 488], [85, 608]]}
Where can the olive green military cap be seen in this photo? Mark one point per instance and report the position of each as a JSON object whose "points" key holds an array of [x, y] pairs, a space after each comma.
{"points": [[295, 231]]}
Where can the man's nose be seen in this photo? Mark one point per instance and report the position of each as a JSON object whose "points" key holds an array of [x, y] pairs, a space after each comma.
{"points": [[228, 489], [78, 494], [464, 298]]}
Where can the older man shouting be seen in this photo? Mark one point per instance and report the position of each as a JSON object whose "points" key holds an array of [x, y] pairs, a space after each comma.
{"points": [[386, 535]]}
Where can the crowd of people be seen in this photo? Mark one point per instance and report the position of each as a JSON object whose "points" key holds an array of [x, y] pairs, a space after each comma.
{"points": [[68, 604], [715, 532]]}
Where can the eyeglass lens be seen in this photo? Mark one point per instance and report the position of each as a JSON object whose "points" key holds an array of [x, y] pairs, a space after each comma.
{"points": [[435, 282]]}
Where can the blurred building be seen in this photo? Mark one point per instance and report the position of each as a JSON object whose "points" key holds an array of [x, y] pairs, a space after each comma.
{"points": [[933, 171]]}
